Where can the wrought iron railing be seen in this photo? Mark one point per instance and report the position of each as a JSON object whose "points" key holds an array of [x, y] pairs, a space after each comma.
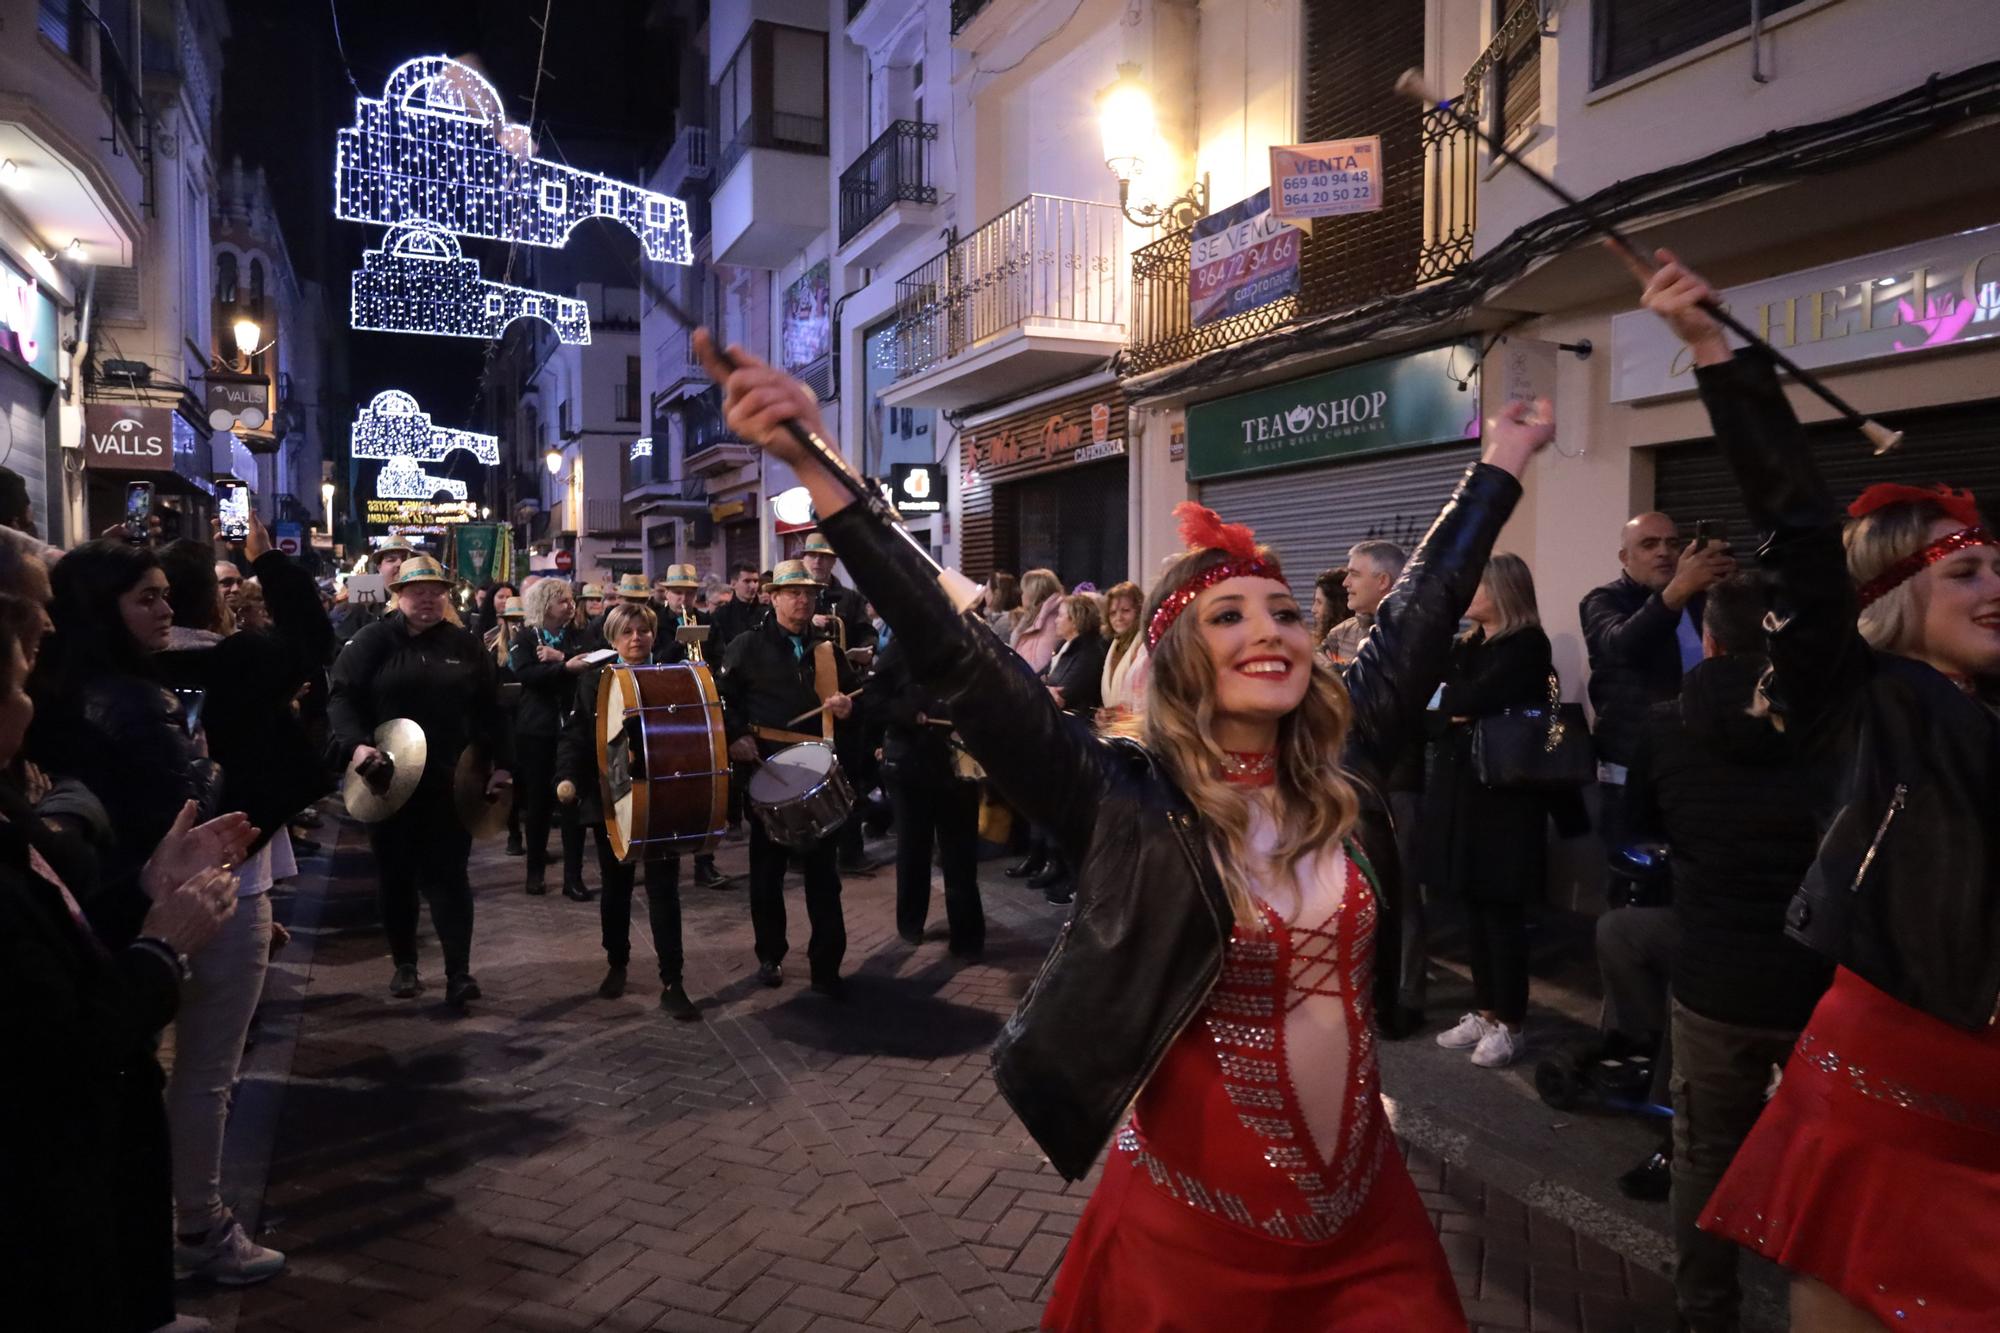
{"points": [[1046, 258], [687, 160], [608, 516], [896, 167], [1513, 60], [963, 12], [773, 129]]}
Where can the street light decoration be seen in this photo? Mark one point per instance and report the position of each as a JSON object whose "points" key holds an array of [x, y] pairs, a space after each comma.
{"points": [[641, 448], [395, 431], [421, 282], [1130, 134], [436, 148]]}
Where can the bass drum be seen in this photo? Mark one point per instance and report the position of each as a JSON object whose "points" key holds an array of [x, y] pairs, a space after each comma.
{"points": [[662, 760]]}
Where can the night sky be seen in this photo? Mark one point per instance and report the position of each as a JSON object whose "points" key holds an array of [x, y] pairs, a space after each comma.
{"points": [[286, 91]]}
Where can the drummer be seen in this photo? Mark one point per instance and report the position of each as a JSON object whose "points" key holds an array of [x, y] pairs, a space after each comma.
{"points": [[632, 630], [674, 609], [414, 664], [771, 675]]}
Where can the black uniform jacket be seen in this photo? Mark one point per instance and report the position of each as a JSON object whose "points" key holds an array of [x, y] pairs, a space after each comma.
{"points": [[1906, 888], [443, 680], [1144, 944], [766, 683], [547, 688]]}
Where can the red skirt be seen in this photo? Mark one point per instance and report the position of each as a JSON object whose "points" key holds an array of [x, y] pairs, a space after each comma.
{"points": [[1141, 1262], [1876, 1168]]}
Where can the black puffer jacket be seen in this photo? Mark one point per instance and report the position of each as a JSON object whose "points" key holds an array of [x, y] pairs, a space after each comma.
{"points": [[442, 679], [1635, 660], [1905, 890], [548, 689], [1727, 792], [1145, 943]]}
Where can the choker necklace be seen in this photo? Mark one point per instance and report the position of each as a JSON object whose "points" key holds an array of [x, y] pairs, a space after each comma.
{"points": [[1253, 769]]}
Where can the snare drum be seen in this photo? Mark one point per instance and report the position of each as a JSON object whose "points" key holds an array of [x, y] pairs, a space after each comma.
{"points": [[801, 795], [662, 760]]}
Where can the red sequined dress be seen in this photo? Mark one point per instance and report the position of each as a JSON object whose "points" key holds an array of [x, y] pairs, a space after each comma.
{"points": [[1257, 1185]]}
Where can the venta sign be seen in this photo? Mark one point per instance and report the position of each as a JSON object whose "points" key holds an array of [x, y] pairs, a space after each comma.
{"points": [[128, 436]]}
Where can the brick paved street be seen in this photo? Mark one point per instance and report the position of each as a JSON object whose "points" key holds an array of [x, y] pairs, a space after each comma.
{"points": [[556, 1161]]}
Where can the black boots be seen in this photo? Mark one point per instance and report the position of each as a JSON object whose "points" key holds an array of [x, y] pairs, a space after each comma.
{"points": [[1035, 863], [674, 1002]]}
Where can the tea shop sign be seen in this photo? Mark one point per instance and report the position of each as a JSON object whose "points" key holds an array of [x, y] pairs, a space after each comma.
{"points": [[1917, 298], [1034, 443]]}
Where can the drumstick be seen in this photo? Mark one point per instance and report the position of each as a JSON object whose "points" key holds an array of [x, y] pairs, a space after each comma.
{"points": [[1412, 86], [807, 717]]}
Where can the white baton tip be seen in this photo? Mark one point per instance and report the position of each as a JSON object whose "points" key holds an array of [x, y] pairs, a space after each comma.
{"points": [[1411, 84], [1881, 436]]}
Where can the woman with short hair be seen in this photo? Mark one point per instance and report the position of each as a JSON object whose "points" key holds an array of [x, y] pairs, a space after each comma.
{"points": [[546, 655]]}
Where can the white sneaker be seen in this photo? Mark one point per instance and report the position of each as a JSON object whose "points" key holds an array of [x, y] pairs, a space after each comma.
{"points": [[1497, 1049], [229, 1257], [1471, 1030]]}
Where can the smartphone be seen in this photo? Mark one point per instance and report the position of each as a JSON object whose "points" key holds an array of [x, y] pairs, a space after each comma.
{"points": [[1706, 531], [138, 509], [232, 500], [191, 702]]}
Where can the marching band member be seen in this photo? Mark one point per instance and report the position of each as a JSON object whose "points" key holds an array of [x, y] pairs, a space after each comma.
{"points": [[546, 658], [414, 664], [771, 675], [632, 631], [1220, 966]]}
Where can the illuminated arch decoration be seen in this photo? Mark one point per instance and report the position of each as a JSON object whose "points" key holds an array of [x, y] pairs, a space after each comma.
{"points": [[421, 282], [398, 433], [436, 148], [641, 448]]}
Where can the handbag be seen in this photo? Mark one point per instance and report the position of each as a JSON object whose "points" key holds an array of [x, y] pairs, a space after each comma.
{"points": [[1545, 748]]}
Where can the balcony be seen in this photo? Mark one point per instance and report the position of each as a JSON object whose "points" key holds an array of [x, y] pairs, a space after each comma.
{"points": [[1035, 294], [608, 518], [770, 202], [688, 160], [888, 197], [719, 457]]}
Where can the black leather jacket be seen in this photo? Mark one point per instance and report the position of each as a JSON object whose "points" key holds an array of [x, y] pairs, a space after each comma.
{"points": [[1906, 888], [1144, 945]]}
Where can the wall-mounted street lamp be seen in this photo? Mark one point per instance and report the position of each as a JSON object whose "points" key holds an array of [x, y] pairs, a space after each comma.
{"points": [[1130, 132], [552, 460], [326, 505]]}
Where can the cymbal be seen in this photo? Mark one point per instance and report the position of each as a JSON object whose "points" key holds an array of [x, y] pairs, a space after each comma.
{"points": [[374, 798], [482, 815]]}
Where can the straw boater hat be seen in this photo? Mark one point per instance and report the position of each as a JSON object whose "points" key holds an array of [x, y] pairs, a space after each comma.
{"points": [[682, 577], [394, 546], [513, 610], [816, 544], [792, 574], [592, 592], [634, 588], [420, 569]]}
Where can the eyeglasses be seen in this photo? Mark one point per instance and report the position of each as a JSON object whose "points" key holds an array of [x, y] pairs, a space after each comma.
{"points": [[231, 583]]}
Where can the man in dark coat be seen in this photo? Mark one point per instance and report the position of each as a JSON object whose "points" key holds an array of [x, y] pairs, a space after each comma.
{"points": [[836, 599], [769, 678], [741, 612], [1727, 791]]}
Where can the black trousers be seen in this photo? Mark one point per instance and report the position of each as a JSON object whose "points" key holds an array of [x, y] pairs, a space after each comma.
{"points": [[535, 794], [663, 907], [945, 813], [423, 849], [1499, 959], [828, 942]]}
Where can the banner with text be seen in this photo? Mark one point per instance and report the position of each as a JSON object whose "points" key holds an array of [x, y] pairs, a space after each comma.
{"points": [[1326, 179], [1399, 403], [1239, 259]]}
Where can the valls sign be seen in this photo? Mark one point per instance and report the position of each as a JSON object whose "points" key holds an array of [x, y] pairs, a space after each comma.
{"points": [[128, 437], [1401, 403]]}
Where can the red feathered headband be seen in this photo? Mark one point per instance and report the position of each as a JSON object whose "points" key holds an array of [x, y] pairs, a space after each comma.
{"points": [[1202, 529], [1958, 506]]}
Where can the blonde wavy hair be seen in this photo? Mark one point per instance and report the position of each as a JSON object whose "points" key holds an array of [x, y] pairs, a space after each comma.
{"points": [[1122, 644], [1317, 801], [1894, 622]]}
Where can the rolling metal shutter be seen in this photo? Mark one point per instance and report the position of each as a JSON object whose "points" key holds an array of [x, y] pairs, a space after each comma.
{"points": [[1957, 445], [24, 437], [1311, 516]]}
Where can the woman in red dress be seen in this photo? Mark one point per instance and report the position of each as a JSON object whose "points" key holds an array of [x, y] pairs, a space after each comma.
{"points": [[1211, 999], [1874, 1173]]}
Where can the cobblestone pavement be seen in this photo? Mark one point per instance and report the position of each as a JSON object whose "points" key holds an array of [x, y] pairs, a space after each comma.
{"points": [[557, 1161]]}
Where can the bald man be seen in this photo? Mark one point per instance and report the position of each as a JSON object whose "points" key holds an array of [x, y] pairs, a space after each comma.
{"points": [[1643, 631]]}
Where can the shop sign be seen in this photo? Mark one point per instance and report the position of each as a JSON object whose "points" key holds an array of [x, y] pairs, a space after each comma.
{"points": [[1239, 259], [1326, 179], [722, 513], [1034, 442], [232, 400], [805, 335], [128, 436], [1177, 442], [916, 488], [1398, 403], [422, 512], [27, 322], [1917, 298]]}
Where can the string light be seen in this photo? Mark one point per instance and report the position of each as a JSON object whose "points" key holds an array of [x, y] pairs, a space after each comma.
{"points": [[394, 430], [421, 282], [436, 148], [642, 448]]}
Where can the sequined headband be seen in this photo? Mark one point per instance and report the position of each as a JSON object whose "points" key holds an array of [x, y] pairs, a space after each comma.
{"points": [[1203, 530], [1896, 575]]}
